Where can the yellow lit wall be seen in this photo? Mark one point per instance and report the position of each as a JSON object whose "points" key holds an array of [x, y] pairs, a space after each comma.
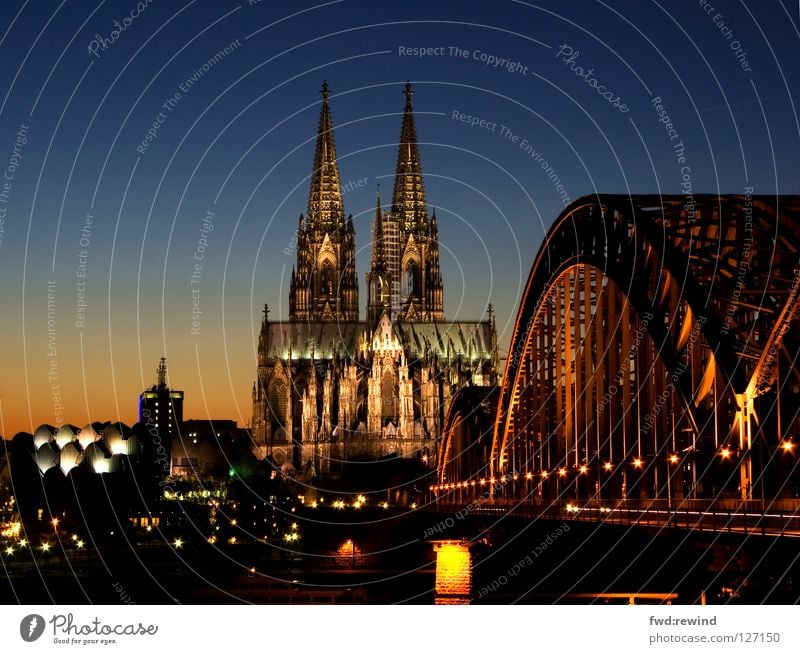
{"points": [[453, 569]]}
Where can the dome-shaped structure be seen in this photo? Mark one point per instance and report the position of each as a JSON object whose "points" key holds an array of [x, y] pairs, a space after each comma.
{"points": [[120, 439], [87, 435], [97, 458], [114, 441], [42, 435], [65, 434], [46, 457], [71, 456]]}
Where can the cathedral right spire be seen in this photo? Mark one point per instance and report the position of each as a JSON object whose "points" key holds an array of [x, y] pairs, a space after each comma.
{"points": [[408, 200]]}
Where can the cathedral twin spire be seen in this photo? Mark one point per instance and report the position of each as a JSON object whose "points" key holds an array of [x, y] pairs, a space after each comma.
{"points": [[325, 207], [404, 278], [408, 200]]}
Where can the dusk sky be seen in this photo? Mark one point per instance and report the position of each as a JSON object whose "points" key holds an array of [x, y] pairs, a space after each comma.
{"points": [[123, 125]]}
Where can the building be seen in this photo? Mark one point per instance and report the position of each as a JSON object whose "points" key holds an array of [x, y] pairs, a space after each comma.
{"points": [[161, 408], [331, 387], [207, 449]]}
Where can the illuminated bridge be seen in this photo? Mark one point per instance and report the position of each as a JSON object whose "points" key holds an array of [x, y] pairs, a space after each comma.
{"points": [[653, 371]]}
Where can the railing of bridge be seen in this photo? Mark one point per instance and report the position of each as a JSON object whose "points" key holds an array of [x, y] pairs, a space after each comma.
{"points": [[752, 517]]}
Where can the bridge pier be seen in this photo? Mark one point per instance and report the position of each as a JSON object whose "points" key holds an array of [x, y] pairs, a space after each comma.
{"points": [[453, 583]]}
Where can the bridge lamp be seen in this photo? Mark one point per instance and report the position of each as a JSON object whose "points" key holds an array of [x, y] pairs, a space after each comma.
{"points": [[607, 466], [638, 463], [787, 446], [673, 458], [583, 469], [529, 476], [725, 453], [544, 474], [562, 472]]}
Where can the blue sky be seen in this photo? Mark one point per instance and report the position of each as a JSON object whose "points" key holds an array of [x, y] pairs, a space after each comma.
{"points": [[238, 140]]}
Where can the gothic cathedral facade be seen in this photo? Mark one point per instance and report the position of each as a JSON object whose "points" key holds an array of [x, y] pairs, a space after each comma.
{"points": [[333, 388]]}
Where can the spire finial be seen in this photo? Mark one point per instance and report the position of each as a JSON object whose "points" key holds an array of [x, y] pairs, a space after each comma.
{"points": [[408, 92], [325, 90]]}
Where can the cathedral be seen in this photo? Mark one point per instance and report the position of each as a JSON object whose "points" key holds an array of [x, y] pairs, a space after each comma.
{"points": [[332, 387]]}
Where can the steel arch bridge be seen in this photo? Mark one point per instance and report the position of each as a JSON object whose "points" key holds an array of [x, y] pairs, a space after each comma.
{"points": [[654, 355]]}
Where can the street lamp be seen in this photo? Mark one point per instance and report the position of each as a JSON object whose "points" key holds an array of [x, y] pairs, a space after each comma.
{"points": [[581, 471], [562, 472], [673, 459]]}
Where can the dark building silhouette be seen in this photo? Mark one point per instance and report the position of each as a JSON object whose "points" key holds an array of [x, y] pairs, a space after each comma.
{"points": [[162, 407]]}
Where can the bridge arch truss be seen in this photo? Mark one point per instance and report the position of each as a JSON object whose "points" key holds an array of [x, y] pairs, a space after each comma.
{"points": [[655, 354]]}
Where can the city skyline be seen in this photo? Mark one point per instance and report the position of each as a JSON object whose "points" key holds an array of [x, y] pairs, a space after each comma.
{"points": [[354, 302], [174, 118]]}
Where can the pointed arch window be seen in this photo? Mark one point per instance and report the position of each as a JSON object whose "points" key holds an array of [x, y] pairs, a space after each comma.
{"points": [[412, 278], [326, 278]]}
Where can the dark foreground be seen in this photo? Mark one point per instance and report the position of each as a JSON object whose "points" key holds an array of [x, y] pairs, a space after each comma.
{"points": [[380, 557]]}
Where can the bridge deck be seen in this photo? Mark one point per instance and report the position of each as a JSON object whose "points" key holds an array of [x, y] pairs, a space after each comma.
{"points": [[778, 518]]}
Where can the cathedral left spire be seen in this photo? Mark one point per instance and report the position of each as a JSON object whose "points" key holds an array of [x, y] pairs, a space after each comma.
{"points": [[325, 207], [325, 287]]}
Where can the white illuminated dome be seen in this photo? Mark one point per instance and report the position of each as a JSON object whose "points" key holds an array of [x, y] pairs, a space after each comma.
{"points": [[46, 457], [65, 434], [87, 435], [42, 435], [71, 456]]}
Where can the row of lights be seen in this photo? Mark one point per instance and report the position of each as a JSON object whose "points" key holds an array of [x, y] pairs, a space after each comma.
{"points": [[44, 547], [544, 474], [786, 445]]}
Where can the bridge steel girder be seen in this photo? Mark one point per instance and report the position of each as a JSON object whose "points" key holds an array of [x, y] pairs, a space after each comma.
{"points": [[703, 244]]}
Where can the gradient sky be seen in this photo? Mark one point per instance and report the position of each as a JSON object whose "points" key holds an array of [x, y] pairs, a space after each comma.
{"points": [[239, 142]]}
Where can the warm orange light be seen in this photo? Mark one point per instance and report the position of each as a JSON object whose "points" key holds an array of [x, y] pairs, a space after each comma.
{"points": [[562, 472], [725, 453], [544, 474], [583, 470], [787, 446], [453, 569], [637, 463], [529, 475], [607, 465], [673, 458]]}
